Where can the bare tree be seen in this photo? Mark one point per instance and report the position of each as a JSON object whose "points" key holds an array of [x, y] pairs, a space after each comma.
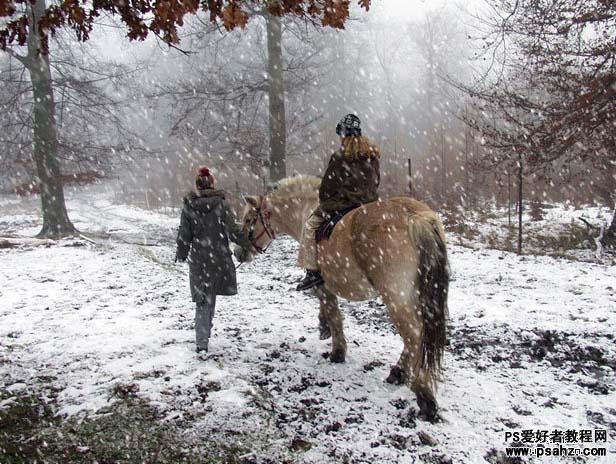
{"points": [[552, 89], [276, 93], [90, 101], [33, 24], [219, 107], [45, 137], [439, 41]]}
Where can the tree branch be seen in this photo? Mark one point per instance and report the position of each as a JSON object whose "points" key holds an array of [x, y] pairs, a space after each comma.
{"points": [[22, 59], [588, 224], [185, 52]]}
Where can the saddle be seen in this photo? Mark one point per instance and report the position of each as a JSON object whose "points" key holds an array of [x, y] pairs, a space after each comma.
{"points": [[326, 229]]}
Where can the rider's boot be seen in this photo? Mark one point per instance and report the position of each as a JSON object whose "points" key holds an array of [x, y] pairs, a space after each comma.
{"points": [[312, 279]]}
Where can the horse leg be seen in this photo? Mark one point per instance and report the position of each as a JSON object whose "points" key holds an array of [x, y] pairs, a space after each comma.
{"points": [[402, 372], [398, 375], [421, 382], [324, 331], [409, 369], [333, 318]]}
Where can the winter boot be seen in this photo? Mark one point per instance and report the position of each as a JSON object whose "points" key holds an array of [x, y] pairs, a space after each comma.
{"points": [[312, 279]]}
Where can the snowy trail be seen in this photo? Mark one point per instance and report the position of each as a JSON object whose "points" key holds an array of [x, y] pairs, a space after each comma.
{"points": [[532, 346]]}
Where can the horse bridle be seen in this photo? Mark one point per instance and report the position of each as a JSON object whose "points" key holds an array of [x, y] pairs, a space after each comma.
{"points": [[264, 217]]}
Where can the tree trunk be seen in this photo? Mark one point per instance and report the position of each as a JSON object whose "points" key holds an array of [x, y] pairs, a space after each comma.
{"points": [[520, 198], [56, 223], [410, 178], [508, 197], [609, 236], [443, 166], [277, 118]]}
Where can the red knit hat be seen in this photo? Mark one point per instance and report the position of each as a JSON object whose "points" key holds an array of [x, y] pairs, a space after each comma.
{"points": [[205, 179]]}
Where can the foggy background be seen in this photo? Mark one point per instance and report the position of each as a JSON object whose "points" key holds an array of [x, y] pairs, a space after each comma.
{"points": [[148, 115]]}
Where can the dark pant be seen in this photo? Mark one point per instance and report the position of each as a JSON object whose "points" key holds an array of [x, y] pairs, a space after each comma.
{"points": [[204, 316]]}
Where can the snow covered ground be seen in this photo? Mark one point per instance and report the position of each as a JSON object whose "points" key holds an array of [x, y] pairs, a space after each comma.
{"points": [[531, 346], [554, 230]]}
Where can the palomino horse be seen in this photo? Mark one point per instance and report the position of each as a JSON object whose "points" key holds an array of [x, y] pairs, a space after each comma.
{"points": [[394, 248]]}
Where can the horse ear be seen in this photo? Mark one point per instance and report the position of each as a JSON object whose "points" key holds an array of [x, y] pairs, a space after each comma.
{"points": [[265, 204], [252, 201]]}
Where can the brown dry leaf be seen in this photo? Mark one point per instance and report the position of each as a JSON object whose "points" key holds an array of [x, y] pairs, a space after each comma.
{"points": [[275, 9], [233, 16], [336, 13], [7, 8], [19, 30], [161, 16], [313, 10], [365, 4], [77, 14]]}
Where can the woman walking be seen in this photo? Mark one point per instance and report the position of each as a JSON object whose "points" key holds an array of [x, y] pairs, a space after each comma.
{"points": [[206, 226]]}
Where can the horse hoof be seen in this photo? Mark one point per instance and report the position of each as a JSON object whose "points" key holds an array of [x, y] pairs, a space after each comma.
{"points": [[324, 333], [337, 356], [396, 376], [428, 409]]}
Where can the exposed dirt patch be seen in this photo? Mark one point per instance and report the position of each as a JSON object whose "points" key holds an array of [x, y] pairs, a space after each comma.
{"points": [[587, 359], [128, 431]]}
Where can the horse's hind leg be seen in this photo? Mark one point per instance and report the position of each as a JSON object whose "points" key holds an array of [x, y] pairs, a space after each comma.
{"points": [[421, 383], [324, 331], [405, 316], [399, 374], [333, 320], [405, 322]]}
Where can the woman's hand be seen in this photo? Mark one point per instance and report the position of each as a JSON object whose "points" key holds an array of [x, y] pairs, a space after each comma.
{"points": [[241, 254]]}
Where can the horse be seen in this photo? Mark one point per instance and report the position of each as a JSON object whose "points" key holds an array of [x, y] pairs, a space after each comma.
{"points": [[393, 248]]}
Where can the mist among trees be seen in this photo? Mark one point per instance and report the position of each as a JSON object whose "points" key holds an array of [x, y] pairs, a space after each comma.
{"points": [[471, 105]]}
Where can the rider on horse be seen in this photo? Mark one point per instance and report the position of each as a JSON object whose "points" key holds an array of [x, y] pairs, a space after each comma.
{"points": [[351, 179]]}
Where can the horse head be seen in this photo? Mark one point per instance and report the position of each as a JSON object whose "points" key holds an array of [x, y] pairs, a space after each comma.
{"points": [[256, 226]]}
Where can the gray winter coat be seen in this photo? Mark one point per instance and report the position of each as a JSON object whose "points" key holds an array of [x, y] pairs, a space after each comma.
{"points": [[206, 226]]}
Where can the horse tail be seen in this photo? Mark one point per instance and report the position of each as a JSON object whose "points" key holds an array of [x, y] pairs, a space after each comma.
{"points": [[426, 232]]}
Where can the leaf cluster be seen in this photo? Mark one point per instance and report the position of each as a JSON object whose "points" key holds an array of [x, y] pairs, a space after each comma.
{"points": [[162, 18]]}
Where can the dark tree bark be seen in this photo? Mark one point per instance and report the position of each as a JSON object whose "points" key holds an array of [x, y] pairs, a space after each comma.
{"points": [[609, 237], [56, 222], [412, 192], [520, 199], [277, 117]]}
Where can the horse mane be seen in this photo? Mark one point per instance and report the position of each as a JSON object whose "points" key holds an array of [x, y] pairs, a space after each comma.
{"points": [[305, 186]]}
